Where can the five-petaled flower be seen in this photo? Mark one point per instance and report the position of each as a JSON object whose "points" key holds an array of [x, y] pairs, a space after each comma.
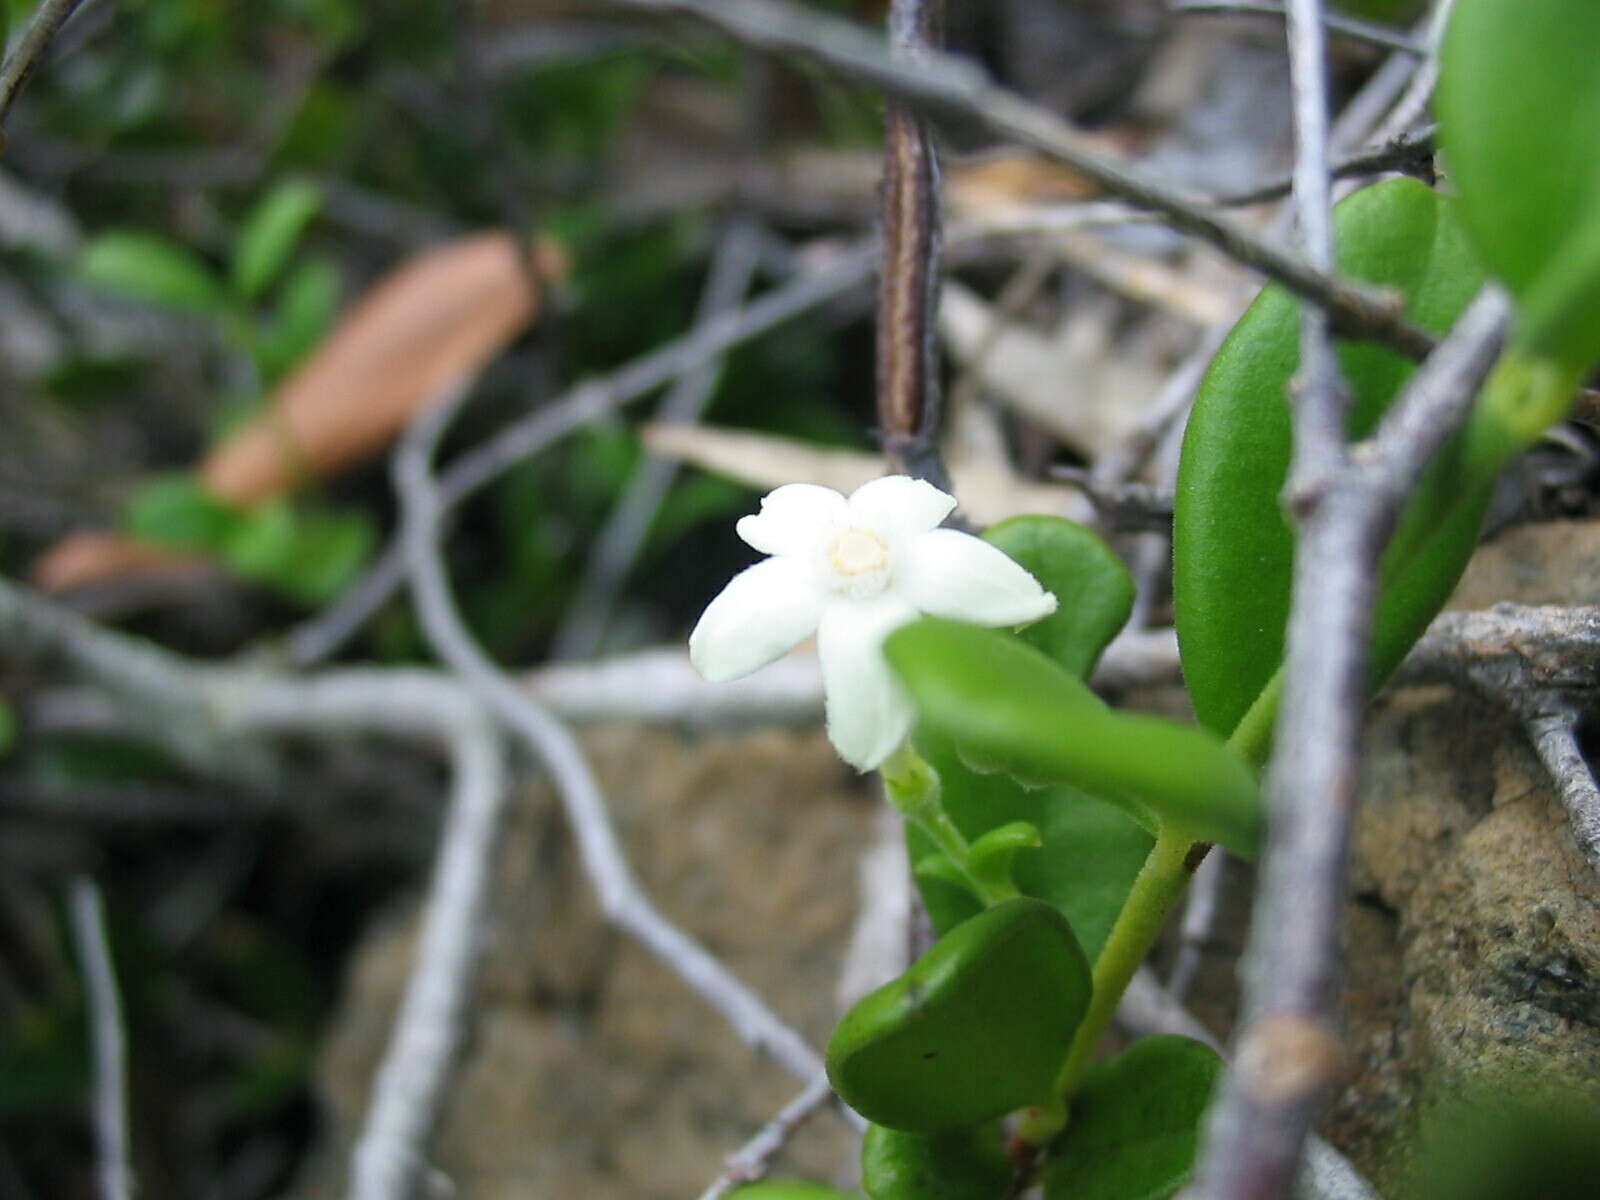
{"points": [[852, 571]]}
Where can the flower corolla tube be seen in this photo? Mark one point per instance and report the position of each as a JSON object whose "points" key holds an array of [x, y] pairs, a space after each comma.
{"points": [[852, 570]]}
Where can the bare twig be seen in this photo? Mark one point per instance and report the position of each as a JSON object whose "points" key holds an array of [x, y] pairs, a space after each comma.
{"points": [[908, 287], [621, 897], [733, 266], [321, 636], [1123, 507], [1541, 663], [752, 1160], [1348, 27], [1347, 503], [1408, 153], [29, 52], [947, 85], [109, 1041]]}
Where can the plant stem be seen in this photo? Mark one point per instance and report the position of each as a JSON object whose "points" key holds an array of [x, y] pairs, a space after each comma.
{"points": [[1156, 889], [913, 787]]}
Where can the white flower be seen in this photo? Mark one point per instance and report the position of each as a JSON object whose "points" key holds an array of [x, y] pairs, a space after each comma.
{"points": [[853, 571]]}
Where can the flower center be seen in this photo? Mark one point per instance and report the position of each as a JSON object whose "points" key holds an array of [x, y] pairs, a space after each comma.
{"points": [[858, 552]]}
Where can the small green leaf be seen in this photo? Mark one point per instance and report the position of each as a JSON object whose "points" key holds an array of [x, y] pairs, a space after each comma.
{"points": [[1093, 589], [1006, 705], [144, 267], [1092, 849], [269, 233], [990, 857], [1233, 547], [965, 1164], [1135, 1124], [263, 545], [305, 313], [330, 550], [975, 1029], [788, 1189], [175, 510], [1519, 117]]}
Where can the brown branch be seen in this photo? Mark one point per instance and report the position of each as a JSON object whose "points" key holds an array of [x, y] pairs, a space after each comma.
{"points": [[908, 290], [952, 87]]}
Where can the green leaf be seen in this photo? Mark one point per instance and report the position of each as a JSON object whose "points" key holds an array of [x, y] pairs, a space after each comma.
{"points": [[1519, 118], [990, 857], [975, 1029], [1093, 589], [330, 550], [141, 266], [269, 233], [175, 510], [1090, 854], [1232, 545], [264, 543], [1007, 706], [1135, 1124], [788, 1189], [966, 1164], [306, 309]]}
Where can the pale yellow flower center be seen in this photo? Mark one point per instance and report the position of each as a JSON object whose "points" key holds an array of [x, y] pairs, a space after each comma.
{"points": [[858, 552]]}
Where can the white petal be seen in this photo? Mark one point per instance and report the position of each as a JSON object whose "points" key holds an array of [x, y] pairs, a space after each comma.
{"points": [[869, 713], [764, 612], [946, 573], [794, 519], [899, 507]]}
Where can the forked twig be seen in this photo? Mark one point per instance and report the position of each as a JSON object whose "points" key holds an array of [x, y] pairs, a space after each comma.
{"points": [[108, 1039]]}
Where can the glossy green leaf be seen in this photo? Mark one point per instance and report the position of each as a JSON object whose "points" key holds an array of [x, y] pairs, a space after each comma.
{"points": [[965, 1164], [269, 233], [789, 1189], [1135, 1124], [1093, 590], [144, 267], [1519, 117], [975, 1029], [1232, 545], [1008, 707], [1090, 854], [990, 858]]}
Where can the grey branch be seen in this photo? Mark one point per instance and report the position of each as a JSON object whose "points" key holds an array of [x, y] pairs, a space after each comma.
{"points": [[1348, 27], [752, 1160], [29, 52], [1543, 663], [621, 897], [1347, 502], [953, 87], [109, 1042], [583, 630]]}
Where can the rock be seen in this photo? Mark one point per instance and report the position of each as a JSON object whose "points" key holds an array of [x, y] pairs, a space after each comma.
{"points": [[592, 1070]]}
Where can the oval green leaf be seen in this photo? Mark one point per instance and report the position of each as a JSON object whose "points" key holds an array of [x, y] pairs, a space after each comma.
{"points": [[1232, 545], [975, 1029], [269, 233], [1519, 118], [141, 266], [1093, 589], [1135, 1124], [966, 1164], [1007, 706]]}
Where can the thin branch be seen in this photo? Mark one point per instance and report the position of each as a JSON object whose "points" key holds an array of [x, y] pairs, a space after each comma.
{"points": [[621, 897], [752, 1160], [29, 53], [1555, 739], [1407, 153], [316, 639], [949, 86], [1122, 507], [109, 1041], [733, 267], [908, 287], [1354, 28], [1288, 1056]]}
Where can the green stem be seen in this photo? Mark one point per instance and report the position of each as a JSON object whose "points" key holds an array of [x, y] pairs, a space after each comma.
{"points": [[913, 788], [1157, 888]]}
